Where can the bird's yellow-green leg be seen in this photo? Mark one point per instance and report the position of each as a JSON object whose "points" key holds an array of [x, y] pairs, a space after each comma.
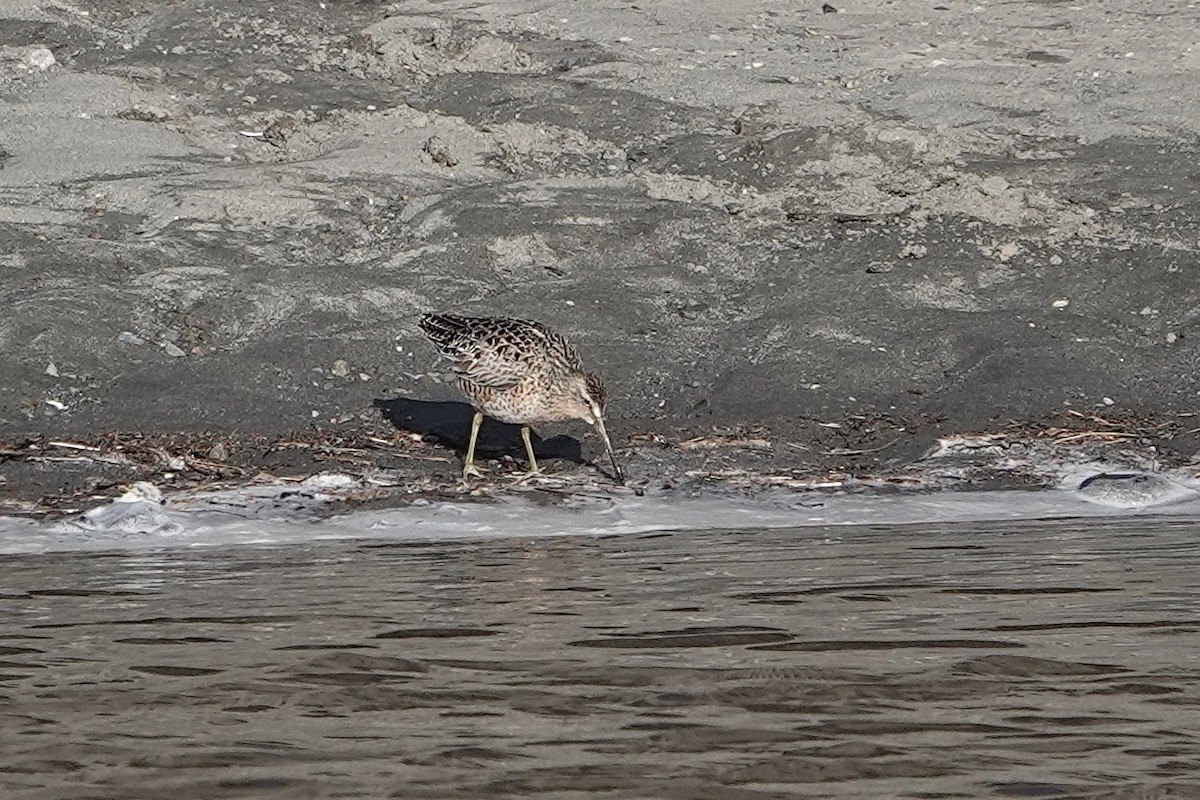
{"points": [[534, 469], [469, 468]]}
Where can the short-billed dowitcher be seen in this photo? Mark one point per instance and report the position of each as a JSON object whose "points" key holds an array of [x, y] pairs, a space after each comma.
{"points": [[518, 371]]}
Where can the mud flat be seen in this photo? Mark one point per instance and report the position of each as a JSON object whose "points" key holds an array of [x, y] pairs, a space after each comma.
{"points": [[800, 243]]}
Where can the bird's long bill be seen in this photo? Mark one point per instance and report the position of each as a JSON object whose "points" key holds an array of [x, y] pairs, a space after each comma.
{"points": [[620, 476]]}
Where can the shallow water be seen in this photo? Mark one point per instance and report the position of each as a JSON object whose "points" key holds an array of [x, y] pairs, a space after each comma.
{"points": [[969, 660]]}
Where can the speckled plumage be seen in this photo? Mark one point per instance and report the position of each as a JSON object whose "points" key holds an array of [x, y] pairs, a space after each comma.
{"points": [[517, 371]]}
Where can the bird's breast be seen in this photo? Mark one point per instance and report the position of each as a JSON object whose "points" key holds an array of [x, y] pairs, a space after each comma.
{"points": [[527, 402]]}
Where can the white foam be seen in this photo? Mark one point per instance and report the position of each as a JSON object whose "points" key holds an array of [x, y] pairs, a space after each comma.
{"points": [[279, 514]]}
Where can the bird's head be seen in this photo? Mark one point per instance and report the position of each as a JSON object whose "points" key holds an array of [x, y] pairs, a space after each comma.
{"points": [[584, 398], [590, 396], [588, 399]]}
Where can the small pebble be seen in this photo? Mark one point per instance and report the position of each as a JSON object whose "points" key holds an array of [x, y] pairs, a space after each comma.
{"points": [[40, 58], [439, 152], [340, 368], [1007, 250], [52, 370], [1061, 303], [173, 350]]}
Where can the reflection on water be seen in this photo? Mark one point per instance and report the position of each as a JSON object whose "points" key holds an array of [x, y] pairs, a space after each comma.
{"points": [[1032, 660]]}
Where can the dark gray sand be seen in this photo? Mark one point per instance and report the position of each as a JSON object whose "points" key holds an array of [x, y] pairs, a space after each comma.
{"points": [[794, 242]]}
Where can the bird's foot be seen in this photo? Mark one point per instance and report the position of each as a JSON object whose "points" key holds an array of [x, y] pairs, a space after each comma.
{"points": [[533, 474], [472, 471]]}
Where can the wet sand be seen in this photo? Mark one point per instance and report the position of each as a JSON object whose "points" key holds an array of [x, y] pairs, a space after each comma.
{"points": [[1023, 660], [822, 240]]}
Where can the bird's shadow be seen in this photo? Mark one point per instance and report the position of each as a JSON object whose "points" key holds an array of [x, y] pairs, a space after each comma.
{"points": [[449, 424]]}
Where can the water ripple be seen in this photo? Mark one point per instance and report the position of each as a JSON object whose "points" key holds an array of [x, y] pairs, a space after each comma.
{"points": [[1042, 660]]}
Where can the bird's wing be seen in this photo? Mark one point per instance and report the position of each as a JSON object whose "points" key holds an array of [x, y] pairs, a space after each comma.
{"points": [[497, 366], [500, 353]]}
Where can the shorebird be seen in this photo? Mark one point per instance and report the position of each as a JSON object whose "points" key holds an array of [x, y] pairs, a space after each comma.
{"points": [[518, 371]]}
